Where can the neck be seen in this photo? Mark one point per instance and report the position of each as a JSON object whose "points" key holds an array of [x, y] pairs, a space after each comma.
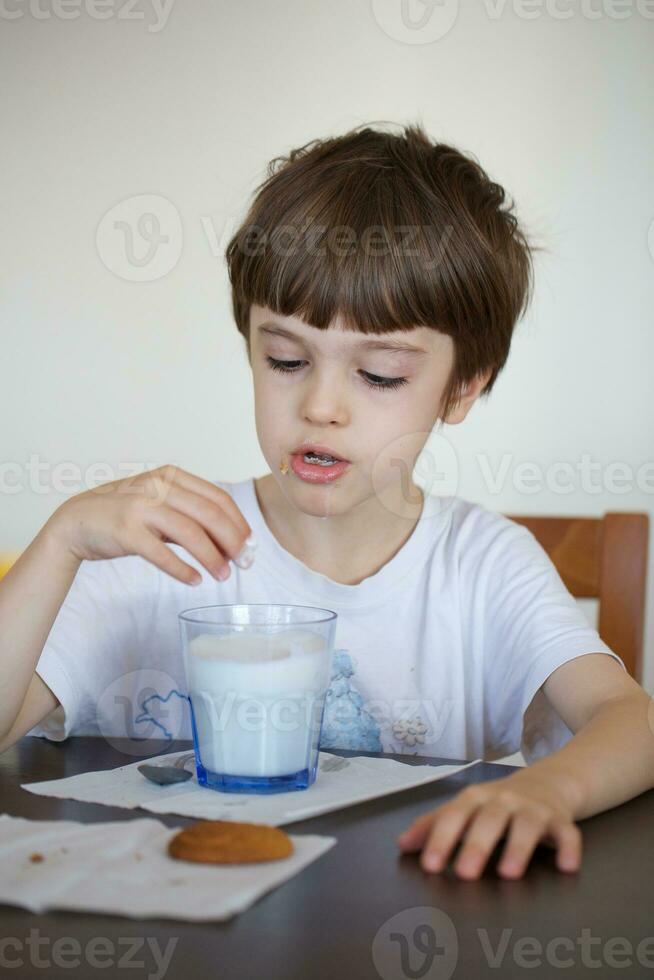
{"points": [[348, 547]]}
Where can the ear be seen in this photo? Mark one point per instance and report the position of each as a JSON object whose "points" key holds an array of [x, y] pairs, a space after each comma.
{"points": [[472, 391]]}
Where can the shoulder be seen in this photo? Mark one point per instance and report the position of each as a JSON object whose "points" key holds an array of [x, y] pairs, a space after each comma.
{"points": [[238, 490], [114, 581], [489, 552], [480, 532]]}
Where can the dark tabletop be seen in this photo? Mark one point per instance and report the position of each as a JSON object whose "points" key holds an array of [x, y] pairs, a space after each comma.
{"points": [[362, 910]]}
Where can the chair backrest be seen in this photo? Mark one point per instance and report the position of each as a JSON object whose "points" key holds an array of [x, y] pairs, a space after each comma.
{"points": [[603, 558]]}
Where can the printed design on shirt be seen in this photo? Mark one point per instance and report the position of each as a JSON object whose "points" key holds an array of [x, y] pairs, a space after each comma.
{"points": [[346, 723], [410, 731], [152, 713]]}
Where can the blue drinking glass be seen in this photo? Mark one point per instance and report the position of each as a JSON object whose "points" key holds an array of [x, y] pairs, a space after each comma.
{"points": [[257, 677]]}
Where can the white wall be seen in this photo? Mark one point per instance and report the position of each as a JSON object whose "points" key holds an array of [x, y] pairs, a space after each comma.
{"points": [[190, 103]]}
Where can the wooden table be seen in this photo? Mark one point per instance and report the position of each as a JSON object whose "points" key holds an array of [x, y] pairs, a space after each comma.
{"points": [[355, 911]]}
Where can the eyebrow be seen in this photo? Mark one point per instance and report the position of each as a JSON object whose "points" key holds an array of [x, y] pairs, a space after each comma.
{"points": [[386, 345]]}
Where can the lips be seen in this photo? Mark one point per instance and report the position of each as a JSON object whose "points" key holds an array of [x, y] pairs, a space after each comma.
{"points": [[315, 447]]}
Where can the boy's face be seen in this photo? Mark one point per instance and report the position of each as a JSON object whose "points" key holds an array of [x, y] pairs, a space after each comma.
{"points": [[329, 399]]}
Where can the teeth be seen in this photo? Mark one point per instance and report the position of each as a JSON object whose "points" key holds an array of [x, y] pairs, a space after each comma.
{"points": [[320, 460]]}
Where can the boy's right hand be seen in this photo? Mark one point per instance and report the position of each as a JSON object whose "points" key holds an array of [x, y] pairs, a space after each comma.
{"points": [[137, 515]]}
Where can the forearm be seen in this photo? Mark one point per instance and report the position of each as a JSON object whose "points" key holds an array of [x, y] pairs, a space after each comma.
{"points": [[31, 594], [608, 761]]}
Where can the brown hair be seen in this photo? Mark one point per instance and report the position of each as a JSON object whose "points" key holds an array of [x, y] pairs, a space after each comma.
{"points": [[391, 232]]}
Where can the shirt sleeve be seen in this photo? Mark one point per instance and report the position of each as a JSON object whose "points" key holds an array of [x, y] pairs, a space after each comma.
{"points": [[97, 635], [532, 625]]}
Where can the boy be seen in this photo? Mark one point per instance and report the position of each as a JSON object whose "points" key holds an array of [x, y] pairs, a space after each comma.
{"points": [[376, 280]]}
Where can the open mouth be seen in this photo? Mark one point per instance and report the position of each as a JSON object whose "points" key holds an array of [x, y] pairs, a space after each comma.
{"points": [[320, 459], [315, 467]]}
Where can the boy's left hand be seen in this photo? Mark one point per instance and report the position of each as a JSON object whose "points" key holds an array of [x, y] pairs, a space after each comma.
{"points": [[525, 807]]}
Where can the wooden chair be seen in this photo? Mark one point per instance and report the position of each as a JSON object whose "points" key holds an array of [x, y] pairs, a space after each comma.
{"points": [[603, 558]]}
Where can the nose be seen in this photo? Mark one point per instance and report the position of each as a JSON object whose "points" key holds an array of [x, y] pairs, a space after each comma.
{"points": [[323, 399]]}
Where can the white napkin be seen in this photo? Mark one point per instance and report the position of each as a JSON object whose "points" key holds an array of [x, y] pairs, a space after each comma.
{"points": [[341, 782], [121, 867]]}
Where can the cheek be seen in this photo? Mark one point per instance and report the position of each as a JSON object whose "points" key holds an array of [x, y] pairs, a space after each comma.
{"points": [[271, 412], [395, 437], [266, 393], [426, 401], [395, 413]]}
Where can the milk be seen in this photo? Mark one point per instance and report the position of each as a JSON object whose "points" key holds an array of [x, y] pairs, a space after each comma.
{"points": [[257, 699]]}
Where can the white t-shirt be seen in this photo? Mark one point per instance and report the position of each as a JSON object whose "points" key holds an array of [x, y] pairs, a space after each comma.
{"points": [[439, 653]]}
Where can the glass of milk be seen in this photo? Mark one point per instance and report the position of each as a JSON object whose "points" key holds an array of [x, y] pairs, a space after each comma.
{"points": [[257, 677]]}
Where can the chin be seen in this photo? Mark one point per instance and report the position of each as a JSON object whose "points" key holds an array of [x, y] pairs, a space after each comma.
{"points": [[318, 500]]}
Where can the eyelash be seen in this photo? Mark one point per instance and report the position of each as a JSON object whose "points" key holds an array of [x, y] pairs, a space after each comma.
{"points": [[382, 383]]}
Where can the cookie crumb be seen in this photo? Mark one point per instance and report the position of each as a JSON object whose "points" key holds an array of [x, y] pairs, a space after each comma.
{"points": [[36, 857]]}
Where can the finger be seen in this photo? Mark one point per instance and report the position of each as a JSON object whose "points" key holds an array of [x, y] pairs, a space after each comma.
{"points": [[216, 494], [569, 843], [156, 552], [186, 532], [527, 828], [210, 516], [443, 837], [483, 833], [446, 829], [552, 841], [447, 817], [414, 836]]}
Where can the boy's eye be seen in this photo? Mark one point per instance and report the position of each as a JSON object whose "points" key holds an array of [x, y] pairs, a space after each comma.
{"points": [[372, 380]]}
